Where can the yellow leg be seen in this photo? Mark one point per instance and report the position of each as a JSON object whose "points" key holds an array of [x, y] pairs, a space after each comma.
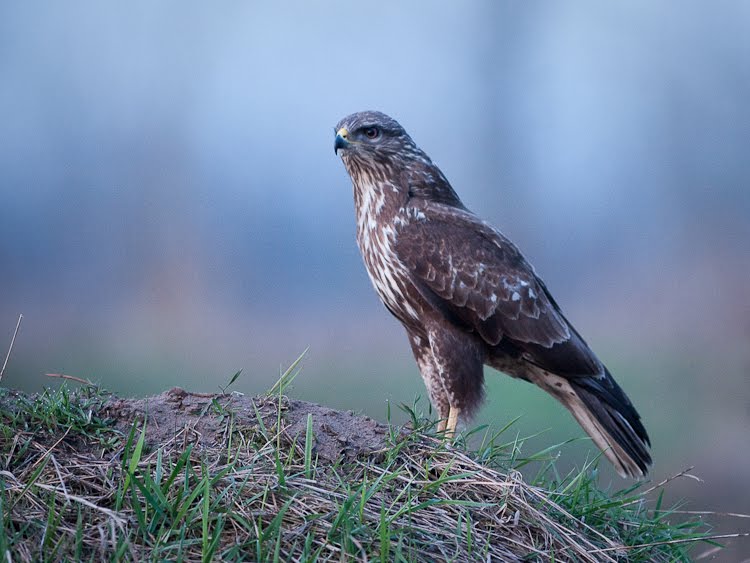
{"points": [[450, 430], [441, 425]]}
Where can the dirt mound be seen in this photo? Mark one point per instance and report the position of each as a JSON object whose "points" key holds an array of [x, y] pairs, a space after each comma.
{"points": [[192, 418], [183, 476]]}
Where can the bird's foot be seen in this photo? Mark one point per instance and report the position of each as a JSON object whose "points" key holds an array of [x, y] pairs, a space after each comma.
{"points": [[450, 430], [447, 426]]}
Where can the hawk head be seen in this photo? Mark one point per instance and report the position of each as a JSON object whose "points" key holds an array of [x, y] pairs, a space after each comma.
{"points": [[369, 137], [375, 148]]}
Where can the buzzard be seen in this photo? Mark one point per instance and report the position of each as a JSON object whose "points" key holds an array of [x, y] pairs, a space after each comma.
{"points": [[466, 295]]}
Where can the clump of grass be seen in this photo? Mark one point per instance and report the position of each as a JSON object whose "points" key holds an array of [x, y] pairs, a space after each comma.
{"points": [[75, 485]]}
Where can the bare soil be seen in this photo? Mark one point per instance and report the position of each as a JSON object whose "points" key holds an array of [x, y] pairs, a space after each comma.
{"points": [[177, 414]]}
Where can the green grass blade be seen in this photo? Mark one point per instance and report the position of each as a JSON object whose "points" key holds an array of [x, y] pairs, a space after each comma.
{"points": [[287, 377], [308, 446]]}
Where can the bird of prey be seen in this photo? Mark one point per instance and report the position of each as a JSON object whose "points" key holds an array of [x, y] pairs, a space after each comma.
{"points": [[466, 295]]}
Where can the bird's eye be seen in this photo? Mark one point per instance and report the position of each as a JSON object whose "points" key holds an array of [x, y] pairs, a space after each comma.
{"points": [[372, 132]]}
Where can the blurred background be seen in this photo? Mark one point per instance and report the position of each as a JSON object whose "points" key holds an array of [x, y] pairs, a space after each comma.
{"points": [[172, 209]]}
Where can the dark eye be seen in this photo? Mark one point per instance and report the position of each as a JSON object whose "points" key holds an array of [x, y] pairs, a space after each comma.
{"points": [[372, 132]]}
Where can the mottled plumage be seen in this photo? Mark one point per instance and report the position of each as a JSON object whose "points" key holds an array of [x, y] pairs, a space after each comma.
{"points": [[466, 295]]}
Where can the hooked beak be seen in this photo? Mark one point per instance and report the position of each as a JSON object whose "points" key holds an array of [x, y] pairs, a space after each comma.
{"points": [[342, 140]]}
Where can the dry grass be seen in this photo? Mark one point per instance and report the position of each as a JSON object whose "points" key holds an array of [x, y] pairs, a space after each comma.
{"points": [[225, 477]]}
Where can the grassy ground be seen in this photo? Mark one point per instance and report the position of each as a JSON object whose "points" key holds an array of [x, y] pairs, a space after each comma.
{"points": [[88, 476]]}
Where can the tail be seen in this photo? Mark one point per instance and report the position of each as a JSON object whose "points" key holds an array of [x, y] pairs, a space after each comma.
{"points": [[606, 414]]}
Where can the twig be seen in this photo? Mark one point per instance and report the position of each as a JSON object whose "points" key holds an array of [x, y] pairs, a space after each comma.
{"points": [[114, 516], [675, 541], [49, 451], [710, 513], [683, 473], [70, 377], [10, 348]]}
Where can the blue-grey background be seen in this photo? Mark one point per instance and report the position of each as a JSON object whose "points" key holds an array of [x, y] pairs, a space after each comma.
{"points": [[172, 209]]}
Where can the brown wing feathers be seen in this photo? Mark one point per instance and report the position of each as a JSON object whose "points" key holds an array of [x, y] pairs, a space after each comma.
{"points": [[480, 281], [480, 277]]}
